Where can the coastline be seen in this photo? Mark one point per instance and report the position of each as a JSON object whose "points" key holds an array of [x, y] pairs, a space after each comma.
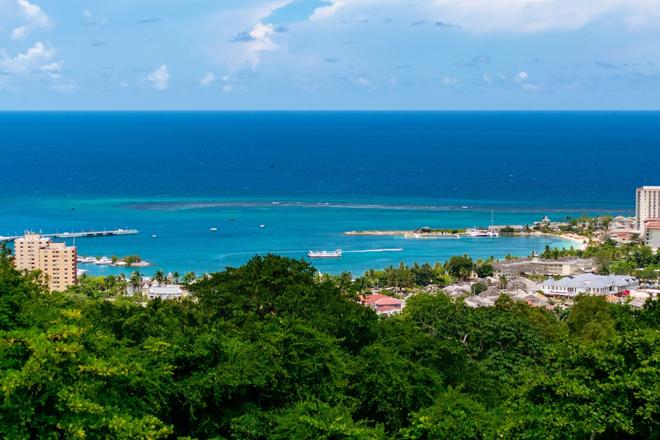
{"points": [[184, 242], [581, 241]]}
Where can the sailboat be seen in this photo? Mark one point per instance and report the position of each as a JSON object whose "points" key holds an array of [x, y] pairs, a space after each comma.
{"points": [[490, 232]]}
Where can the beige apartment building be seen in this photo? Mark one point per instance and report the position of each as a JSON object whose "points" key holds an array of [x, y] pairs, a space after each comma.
{"points": [[57, 261], [647, 206]]}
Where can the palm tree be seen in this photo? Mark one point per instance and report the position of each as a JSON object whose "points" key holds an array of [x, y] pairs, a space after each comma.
{"points": [[135, 281], [189, 278], [159, 277], [175, 277]]}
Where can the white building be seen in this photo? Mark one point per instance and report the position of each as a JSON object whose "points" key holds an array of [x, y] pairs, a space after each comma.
{"points": [[647, 206], [589, 284], [537, 266], [170, 291]]}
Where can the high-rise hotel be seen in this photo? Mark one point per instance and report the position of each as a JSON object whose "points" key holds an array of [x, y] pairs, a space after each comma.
{"points": [[647, 206], [57, 261]]}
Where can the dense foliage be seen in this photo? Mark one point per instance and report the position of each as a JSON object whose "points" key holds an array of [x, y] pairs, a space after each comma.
{"points": [[268, 351]]}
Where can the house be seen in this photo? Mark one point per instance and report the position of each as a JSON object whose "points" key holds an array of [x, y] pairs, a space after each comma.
{"points": [[479, 301], [383, 304], [537, 266], [545, 222], [169, 291], [457, 290], [622, 229], [589, 284]]}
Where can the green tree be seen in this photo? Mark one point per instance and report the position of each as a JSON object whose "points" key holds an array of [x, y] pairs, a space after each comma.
{"points": [[590, 320], [460, 267], [455, 415], [159, 277]]}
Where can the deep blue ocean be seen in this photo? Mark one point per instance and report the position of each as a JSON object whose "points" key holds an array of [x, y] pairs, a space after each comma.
{"points": [[310, 176]]}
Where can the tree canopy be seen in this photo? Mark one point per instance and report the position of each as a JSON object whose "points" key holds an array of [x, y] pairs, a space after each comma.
{"points": [[270, 350]]}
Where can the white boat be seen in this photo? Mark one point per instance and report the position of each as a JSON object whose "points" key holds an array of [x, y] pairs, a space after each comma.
{"points": [[262, 226], [482, 233], [325, 254], [214, 229], [103, 261], [154, 236]]}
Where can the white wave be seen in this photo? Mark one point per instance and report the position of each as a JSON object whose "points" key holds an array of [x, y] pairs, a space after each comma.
{"points": [[362, 251]]}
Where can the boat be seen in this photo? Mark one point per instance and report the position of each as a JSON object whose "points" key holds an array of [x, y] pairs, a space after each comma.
{"points": [[213, 229], [489, 233], [262, 226], [482, 233], [103, 261], [154, 236], [325, 254]]}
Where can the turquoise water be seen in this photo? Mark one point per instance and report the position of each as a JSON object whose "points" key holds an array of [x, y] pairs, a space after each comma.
{"points": [[176, 175], [185, 243]]}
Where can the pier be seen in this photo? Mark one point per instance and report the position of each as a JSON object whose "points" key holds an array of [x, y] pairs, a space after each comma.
{"points": [[84, 234]]}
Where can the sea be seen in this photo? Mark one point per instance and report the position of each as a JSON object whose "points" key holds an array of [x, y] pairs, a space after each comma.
{"points": [[290, 182]]}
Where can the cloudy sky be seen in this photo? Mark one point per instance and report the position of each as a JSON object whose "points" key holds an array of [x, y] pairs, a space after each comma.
{"points": [[329, 54]]}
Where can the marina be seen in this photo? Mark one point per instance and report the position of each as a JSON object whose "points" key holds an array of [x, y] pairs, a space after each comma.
{"points": [[113, 261]]}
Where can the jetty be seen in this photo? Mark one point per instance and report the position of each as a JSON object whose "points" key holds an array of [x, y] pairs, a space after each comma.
{"points": [[420, 233], [83, 234]]}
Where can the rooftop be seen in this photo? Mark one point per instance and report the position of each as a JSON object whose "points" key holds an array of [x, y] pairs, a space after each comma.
{"points": [[652, 223], [378, 299], [591, 280]]}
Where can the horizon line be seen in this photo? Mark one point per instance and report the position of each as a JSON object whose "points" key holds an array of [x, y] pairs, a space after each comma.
{"points": [[332, 111]]}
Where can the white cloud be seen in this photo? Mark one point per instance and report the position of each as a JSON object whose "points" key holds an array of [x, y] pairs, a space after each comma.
{"points": [[160, 78], [34, 16], [33, 59], [487, 79], [53, 70], [87, 13], [448, 81], [227, 88], [37, 65], [505, 16], [326, 11], [260, 42], [241, 37], [521, 76], [362, 81], [207, 80], [19, 33]]}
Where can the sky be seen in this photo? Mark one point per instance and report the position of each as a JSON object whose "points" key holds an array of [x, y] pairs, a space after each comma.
{"points": [[329, 54]]}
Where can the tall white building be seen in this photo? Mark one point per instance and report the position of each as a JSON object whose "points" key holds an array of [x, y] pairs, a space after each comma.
{"points": [[647, 206]]}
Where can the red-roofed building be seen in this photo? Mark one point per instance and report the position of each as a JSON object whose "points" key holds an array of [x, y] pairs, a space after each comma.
{"points": [[652, 233], [382, 304]]}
